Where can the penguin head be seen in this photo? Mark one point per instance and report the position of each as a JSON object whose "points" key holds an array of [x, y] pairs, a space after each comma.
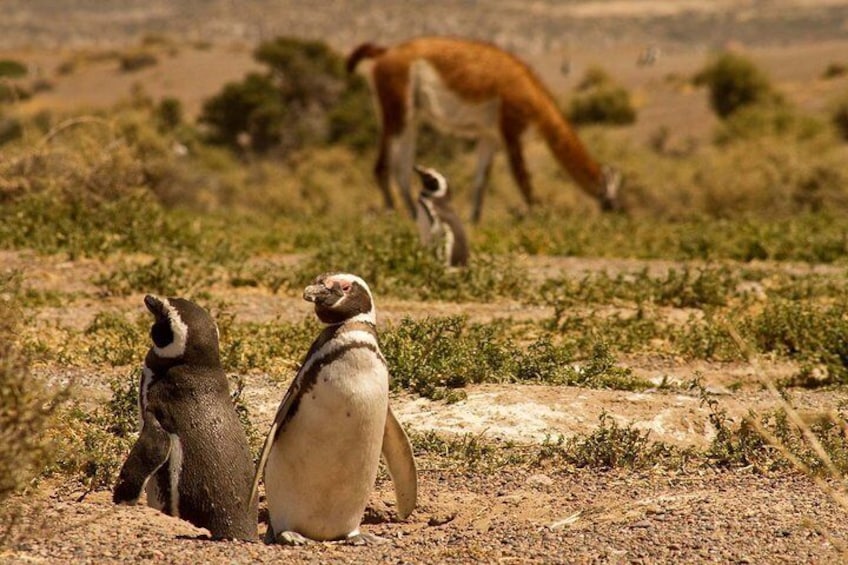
{"points": [[341, 297], [182, 331], [434, 184]]}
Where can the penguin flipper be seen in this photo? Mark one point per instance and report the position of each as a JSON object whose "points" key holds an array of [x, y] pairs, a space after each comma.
{"points": [[279, 421], [397, 452], [149, 453], [260, 465]]}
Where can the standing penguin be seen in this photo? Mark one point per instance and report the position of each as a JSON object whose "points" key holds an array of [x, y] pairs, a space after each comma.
{"points": [[438, 224], [192, 455], [321, 456]]}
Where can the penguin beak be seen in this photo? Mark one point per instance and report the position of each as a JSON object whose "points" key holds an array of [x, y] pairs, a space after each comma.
{"points": [[156, 306], [320, 295]]}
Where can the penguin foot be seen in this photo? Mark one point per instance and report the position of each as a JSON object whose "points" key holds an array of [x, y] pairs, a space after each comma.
{"points": [[290, 538], [359, 538]]}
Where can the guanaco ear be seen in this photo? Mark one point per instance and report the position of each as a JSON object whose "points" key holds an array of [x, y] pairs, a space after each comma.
{"points": [[610, 188]]}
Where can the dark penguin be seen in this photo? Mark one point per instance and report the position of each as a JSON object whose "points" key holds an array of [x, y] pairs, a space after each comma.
{"points": [[192, 455], [323, 450], [438, 224]]}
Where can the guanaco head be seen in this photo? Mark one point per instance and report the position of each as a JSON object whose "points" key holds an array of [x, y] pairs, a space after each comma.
{"points": [[610, 185]]}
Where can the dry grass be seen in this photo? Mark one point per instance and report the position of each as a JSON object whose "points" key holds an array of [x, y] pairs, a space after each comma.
{"points": [[27, 408]]}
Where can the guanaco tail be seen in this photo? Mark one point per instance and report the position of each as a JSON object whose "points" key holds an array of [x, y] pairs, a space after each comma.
{"points": [[472, 89]]}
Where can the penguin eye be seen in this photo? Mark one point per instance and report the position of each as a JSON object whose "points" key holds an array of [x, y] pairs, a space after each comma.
{"points": [[345, 286]]}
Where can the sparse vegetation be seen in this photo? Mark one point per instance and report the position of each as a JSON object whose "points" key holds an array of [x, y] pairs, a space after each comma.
{"points": [[603, 105], [734, 83], [612, 446], [834, 70], [304, 98], [27, 408], [94, 440], [10, 68], [839, 117], [136, 60], [600, 100], [436, 356]]}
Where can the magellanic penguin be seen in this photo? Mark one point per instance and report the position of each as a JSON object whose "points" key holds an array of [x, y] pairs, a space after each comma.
{"points": [[192, 455], [438, 225], [322, 452]]}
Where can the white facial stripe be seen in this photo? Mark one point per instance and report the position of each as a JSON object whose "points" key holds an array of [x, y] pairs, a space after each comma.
{"points": [[370, 316], [441, 182], [449, 240], [442, 191], [146, 377], [175, 467], [341, 341], [177, 347]]}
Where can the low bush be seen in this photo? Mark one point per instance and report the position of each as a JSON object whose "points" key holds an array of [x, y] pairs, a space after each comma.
{"points": [[834, 70], [131, 61], [839, 117], [734, 82], [436, 356], [303, 98], [9, 68], [602, 105]]}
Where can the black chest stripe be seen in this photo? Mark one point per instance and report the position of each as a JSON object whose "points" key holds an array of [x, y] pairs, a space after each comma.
{"points": [[309, 378]]}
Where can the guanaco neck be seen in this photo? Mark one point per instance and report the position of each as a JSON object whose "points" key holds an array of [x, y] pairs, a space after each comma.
{"points": [[569, 150]]}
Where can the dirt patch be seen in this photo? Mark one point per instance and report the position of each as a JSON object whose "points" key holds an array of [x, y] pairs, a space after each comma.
{"points": [[524, 515]]}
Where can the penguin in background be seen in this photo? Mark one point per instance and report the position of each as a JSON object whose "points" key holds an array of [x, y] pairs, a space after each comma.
{"points": [[192, 456], [438, 225], [322, 453]]}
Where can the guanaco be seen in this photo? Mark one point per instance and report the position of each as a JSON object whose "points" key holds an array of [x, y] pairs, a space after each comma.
{"points": [[473, 89]]}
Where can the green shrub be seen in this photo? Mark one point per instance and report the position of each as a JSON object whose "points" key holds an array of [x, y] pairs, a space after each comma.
{"points": [[594, 77], [27, 406], [603, 105], [760, 120], [10, 129], [734, 82], [610, 446], [11, 93], [169, 113], [686, 288], [435, 356], [12, 69], [807, 332], [94, 441], [709, 338], [750, 443], [839, 117], [166, 276], [274, 347], [114, 340], [834, 70], [304, 98], [131, 61], [351, 121]]}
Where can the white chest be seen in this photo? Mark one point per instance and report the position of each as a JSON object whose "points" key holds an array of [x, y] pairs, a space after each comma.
{"points": [[322, 467]]}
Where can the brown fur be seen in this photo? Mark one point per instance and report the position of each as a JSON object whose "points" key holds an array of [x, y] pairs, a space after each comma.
{"points": [[476, 72]]}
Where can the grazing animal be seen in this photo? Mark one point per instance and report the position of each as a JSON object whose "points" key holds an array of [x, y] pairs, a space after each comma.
{"points": [[474, 89], [322, 452], [438, 224], [192, 455]]}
